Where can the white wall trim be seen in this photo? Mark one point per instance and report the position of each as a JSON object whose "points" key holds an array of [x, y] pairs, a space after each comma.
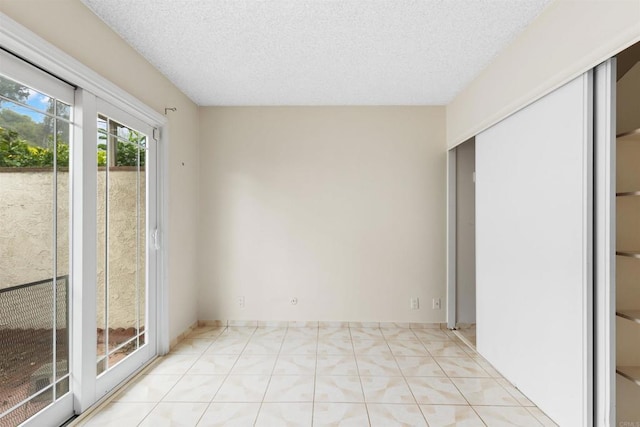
{"points": [[452, 260], [605, 243], [162, 294], [311, 324], [24, 43], [588, 251], [84, 252]]}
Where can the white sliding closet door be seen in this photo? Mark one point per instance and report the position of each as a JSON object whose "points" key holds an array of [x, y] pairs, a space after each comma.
{"points": [[534, 250]]}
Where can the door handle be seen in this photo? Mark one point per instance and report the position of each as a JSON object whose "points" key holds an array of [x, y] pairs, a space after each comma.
{"points": [[155, 237]]}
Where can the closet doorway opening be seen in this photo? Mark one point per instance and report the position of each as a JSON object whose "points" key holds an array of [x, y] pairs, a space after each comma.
{"points": [[627, 232], [461, 310]]}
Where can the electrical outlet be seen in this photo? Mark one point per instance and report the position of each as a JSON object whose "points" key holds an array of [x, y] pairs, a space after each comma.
{"points": [[293, 300], [437, 305], [240, 301], [414, 303]]}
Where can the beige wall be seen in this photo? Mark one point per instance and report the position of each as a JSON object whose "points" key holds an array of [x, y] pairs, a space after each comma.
{"points": [[70, 26], [340, 207], [567, 39]]}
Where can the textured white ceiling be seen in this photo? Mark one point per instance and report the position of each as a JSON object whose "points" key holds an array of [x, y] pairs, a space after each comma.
{"points": [[319, 52]]}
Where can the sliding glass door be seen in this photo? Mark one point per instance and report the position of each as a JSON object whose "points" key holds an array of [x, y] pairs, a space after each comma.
{"points": [[35, 122], [126, 206], [78, 245]]}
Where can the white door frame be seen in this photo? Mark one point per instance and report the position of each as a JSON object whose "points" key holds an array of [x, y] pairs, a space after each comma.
{"points": [[604, 243], [84, 247], [451, 238]]}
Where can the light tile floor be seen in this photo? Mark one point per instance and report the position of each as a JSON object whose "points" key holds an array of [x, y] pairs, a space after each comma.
{"points": [[360, 376]]}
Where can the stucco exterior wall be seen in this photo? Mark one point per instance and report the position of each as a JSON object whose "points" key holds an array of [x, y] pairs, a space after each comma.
{"points": [[26, 240], [26, 226]]}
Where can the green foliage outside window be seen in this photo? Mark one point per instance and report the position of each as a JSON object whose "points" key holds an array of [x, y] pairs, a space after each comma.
{"points": [[18, 153], [126, 154]]}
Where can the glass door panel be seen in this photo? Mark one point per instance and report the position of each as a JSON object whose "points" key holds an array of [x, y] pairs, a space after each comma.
{"points": [[122, 236], [34, 249]]}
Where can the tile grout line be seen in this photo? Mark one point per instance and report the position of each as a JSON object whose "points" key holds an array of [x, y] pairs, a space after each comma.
{"points": [[420, 340], [226, 328], [149, 413], [461, 394], [284, 337], [355, 358], [395, 359], [536, 416], [520, 405], [171, 388], [223, 381], [315, 373], [181, 377]]}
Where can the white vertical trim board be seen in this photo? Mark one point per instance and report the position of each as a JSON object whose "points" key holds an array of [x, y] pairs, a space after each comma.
{"points": [[604, 242], [162, 295], [534, 251], [451, 239], [587, 248], [84, 252]]}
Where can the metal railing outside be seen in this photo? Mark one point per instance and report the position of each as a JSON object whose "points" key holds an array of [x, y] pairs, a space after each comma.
{"points": [[29, 342]]}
